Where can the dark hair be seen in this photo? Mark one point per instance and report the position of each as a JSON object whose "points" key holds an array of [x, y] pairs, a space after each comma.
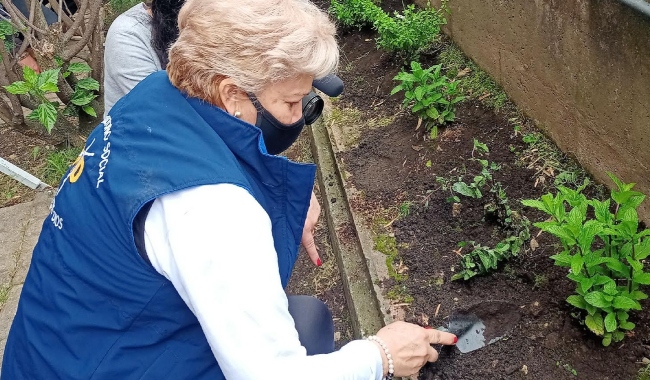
{"points": [[164, 26]]}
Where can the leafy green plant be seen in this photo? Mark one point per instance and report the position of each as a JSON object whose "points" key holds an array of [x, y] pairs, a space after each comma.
{"points": [[473, 189], [429, 95], [357, 13], [411, 31], [38, 86], [482, 260], [7, 33], [405, 208], [605, 253]]}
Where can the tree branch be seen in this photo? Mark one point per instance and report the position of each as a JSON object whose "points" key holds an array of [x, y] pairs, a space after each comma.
{"points": [[18, 20], [88, 32], [79, 18], [62, 16], [97, 52], [6, 113]]}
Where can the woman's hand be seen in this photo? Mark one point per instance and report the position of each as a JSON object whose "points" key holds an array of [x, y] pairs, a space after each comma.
{"points": [[308, 231], [410, 346]]}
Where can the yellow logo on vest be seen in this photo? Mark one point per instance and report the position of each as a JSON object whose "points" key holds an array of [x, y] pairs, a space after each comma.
{"points": [[77, 168]]}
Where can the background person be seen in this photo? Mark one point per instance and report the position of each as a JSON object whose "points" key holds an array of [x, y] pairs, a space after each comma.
{"points": [[170, 242]]}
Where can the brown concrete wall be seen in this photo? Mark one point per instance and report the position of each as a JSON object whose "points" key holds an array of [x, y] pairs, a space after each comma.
{"points": [[579, 68]]}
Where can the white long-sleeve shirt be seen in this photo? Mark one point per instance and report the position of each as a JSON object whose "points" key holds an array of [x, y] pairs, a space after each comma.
{"points": [[214, 243]]}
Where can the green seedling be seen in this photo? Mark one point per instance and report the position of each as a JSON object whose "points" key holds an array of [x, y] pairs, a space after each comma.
{"points": [[405, 208]]}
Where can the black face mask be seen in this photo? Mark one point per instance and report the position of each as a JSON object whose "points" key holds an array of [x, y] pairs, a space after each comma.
{"points": [[277, 136]]}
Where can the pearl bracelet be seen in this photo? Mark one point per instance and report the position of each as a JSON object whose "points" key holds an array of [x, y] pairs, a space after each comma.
{"points": [[375, 338]]}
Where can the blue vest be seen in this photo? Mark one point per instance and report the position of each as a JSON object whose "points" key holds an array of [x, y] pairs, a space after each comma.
{"points": [[91, 306]]}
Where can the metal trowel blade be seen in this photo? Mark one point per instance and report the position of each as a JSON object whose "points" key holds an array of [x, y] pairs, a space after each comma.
{"points": [[470, 325]]}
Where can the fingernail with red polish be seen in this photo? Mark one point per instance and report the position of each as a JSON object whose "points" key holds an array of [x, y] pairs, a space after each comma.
{"points": [[318, 262], [428, 327], [455, 339]]}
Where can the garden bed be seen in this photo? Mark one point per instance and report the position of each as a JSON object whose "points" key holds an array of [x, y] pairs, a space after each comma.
{"points": [[398, 175]]}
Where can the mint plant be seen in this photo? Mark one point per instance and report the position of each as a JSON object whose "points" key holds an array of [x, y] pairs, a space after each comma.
{"points": [[356, 13], [429, 94], [411, 31], [605, 253], [38, 86]]}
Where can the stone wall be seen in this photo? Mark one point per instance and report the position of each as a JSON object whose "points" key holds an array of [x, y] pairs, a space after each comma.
{"points": [[579, 68]]}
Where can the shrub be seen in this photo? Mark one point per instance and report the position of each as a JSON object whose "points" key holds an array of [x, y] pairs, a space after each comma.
{"points": [[605, 254], [38, 85], [356, 13], [411, 31], [407, 33]]}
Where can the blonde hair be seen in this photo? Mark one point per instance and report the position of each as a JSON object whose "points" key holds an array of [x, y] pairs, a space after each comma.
{"points": [[254, 42]]}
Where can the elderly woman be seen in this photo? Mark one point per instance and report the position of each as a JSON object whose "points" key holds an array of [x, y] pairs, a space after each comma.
{"points": [[136, 46], [172, 236]]}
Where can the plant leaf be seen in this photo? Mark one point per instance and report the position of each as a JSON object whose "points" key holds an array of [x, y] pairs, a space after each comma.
{"points": [[627, 325], [562, 259], [82, 97], [619, 267], [30, 75], [625, 303], [642, 250], [576, 263], [597, 299], [88, 84], [534, 203], [638, 295], [610, 288], [610, 322], [562, 233], [47, 80], [89, 110], [577, 301], [79, 67], [18, 88], [45, 113], [601, 210], [596, 324], [462, 188], [642, 278], [607, 340]]}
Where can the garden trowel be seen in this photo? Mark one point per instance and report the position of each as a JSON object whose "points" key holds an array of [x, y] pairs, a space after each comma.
{"points": [[482, 324]]}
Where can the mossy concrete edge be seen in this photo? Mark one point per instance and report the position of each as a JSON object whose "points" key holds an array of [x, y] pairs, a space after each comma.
{"points": [[351, 244]]}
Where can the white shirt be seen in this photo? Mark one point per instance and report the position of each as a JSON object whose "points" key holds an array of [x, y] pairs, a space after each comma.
{"points": [[214, 243]]}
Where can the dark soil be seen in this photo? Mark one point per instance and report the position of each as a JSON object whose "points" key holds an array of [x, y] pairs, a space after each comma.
{"points": [[396, 163], [28, 148]]}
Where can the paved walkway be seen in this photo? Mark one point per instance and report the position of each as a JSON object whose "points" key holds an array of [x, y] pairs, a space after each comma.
{"points": [[20, 226]]}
